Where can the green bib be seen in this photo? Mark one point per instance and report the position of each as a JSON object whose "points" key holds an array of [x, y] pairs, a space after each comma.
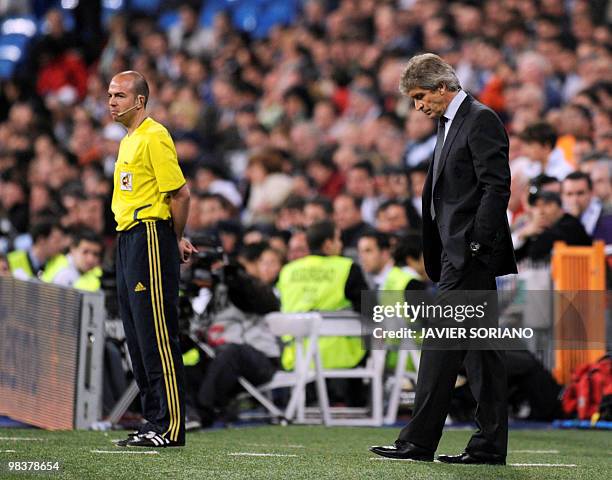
{"points": [[89, 281], [18, 260], [392, 291], [317, 283], [53, 266]]}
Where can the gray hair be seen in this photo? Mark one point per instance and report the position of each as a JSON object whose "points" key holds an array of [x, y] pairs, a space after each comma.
{"points": [[428, 71]]}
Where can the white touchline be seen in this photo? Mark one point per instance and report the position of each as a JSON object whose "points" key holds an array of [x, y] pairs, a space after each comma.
{"points": [[152, 452], [534, 451], [387, 459], [22, 439], [8, 451], [250, 454], [272, 445]]}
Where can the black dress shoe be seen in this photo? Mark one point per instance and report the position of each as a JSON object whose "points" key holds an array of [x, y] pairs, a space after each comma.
{"points": [[473, 459], [403, 451]]}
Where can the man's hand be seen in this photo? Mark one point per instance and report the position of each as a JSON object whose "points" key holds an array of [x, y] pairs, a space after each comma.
{"points": [[186, 249], [533, 228]]}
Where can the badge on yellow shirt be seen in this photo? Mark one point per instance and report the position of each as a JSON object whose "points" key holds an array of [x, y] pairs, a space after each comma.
{"points": [[126, 181]]}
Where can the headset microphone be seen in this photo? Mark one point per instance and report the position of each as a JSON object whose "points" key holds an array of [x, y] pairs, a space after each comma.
{"points": [[121, 114]]}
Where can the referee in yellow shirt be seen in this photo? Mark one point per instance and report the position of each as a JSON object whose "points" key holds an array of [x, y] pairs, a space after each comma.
{"points": [[151, 205]]}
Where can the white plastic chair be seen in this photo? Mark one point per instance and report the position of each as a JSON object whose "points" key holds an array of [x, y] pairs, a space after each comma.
{"points": [[301, 326], [311, 326], [407, 349], [348, 323]]}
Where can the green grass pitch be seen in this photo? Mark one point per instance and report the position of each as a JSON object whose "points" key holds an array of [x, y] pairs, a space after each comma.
{"points": [[300, 452]]}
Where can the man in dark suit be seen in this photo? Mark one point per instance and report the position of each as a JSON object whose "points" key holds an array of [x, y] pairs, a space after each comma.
{"points": [[549, 224], [580, 201], [467, 243]]}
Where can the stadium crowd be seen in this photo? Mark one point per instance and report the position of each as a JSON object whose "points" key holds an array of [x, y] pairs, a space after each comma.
{"points": [[279, 133]]}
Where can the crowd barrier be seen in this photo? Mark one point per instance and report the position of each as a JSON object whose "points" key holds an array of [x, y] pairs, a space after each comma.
{"points": [[51, 354]]}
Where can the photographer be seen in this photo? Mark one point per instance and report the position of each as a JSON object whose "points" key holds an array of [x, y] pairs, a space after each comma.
{"points": [[228, 310]]}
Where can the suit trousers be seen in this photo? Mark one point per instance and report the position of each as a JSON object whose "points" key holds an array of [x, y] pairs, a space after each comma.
{"points": [[147, 288], [438, 371]]}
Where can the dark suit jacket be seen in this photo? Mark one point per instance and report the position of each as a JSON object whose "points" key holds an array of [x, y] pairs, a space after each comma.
{"points": [[470, 194], [350, 236], [603, 228]]}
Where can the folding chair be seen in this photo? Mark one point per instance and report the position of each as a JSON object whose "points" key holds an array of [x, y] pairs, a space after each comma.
{"points": [[348, 323], [406, 349], [301, 326]]}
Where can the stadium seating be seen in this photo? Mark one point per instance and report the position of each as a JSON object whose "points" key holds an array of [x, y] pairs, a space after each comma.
{"points": [[168, 19], [7, 69], [210, 10], [275, 13], [19, 26], [246, 16], [255, 17], [16, 35], [150, 7], [110, 8]]}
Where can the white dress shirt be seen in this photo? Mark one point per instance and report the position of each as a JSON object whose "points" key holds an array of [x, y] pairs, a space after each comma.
{"points": [[452, 109], [590, 216]]}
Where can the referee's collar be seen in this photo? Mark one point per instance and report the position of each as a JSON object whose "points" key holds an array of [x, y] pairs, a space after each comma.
{"points": [[145, 120]]}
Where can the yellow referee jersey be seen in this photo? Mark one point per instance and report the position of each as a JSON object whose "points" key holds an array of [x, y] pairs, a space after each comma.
{"points": [[146, 170]]}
